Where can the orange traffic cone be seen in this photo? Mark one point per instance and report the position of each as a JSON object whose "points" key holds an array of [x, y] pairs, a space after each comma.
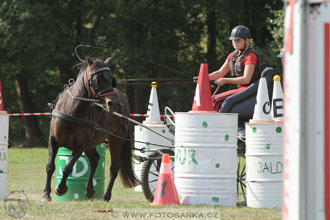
{"points": [[166, 193], [203, 100], [1, 100]]}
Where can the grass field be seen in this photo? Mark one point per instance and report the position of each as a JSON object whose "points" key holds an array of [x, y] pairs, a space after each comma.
{"points": [[26, 171]]}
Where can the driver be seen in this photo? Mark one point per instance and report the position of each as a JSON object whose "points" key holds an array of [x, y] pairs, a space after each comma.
{"points": [[242, 63]]}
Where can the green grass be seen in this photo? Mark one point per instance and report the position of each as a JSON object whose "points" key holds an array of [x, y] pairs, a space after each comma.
{"points": [[27, 172]]}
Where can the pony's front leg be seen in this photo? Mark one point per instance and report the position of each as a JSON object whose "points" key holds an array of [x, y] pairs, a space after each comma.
{"points": [[93, 157], [115, 148], [61, 188], [50, 167]]}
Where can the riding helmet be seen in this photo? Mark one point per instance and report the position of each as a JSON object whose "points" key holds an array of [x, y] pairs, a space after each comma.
{"points": [[240, 31]]}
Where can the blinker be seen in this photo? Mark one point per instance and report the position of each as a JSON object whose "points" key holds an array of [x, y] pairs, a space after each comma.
{"points": [[101, 89], [106, 75]]}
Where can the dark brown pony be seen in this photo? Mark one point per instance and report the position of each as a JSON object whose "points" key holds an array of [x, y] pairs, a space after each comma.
{"points": [[79, 119]]}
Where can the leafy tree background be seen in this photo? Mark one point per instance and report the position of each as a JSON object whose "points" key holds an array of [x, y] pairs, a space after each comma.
{"points": [[146, 38]]}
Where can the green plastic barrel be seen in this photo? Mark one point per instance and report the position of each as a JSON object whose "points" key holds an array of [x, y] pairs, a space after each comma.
{"points": [[77, 180]]}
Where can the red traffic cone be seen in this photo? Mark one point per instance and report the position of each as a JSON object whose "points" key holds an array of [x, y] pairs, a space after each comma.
{"points": [[166, 193], [203, 100]]}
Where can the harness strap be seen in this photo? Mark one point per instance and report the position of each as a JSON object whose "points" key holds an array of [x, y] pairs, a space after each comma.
{"points": [[86, 121], [73, 119], [82, 121], [86, 84]]}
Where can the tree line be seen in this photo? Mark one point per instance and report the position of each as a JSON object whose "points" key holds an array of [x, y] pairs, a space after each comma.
{"points": [[148, 39]]}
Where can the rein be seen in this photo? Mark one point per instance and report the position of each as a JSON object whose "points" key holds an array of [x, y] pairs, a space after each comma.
{"points": [[96, 126], [82, 98]]}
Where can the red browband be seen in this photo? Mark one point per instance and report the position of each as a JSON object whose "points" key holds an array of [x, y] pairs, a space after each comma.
{"points": [[109, 93]]}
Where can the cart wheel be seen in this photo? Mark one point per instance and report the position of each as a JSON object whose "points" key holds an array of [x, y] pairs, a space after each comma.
{"points": [[149, 173], [241, 175]]}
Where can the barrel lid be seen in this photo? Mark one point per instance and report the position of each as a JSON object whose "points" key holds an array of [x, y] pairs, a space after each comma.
{"points": [[261, 121], [99, 148]]}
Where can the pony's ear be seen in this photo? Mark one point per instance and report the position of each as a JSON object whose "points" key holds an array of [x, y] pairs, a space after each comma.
{"points": [[107, 61], [89, 61], [114, 83]]}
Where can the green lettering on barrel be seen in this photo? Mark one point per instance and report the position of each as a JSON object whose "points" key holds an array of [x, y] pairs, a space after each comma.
{"points": [[178, 156], [265, 168], [3, 155], [270, 167], [192, 153], [259, 170], [279, 167], [181, 156]]}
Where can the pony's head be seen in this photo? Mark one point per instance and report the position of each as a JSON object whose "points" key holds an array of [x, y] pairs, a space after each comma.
{"points": [[100, 83]]}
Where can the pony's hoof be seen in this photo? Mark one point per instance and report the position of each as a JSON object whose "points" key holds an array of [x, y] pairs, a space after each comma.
{"points": [[60, 192], [107, 198], [46, 198], [91, 195]]}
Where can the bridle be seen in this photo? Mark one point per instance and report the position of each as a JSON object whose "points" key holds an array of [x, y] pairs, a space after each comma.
{"points": [[92, 87], [91, 83]]}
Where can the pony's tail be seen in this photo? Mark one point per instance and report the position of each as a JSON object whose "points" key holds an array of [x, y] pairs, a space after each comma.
{"points": [[127, 175]]}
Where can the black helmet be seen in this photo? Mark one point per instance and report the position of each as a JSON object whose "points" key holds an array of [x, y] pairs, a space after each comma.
{"points": [[240, 31]]}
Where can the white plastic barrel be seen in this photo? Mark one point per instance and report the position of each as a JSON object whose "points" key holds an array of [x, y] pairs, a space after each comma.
{"points": [[264, 165], [3, 186], [3, 156], [4, 126], [206, 158], [150, 138]]}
